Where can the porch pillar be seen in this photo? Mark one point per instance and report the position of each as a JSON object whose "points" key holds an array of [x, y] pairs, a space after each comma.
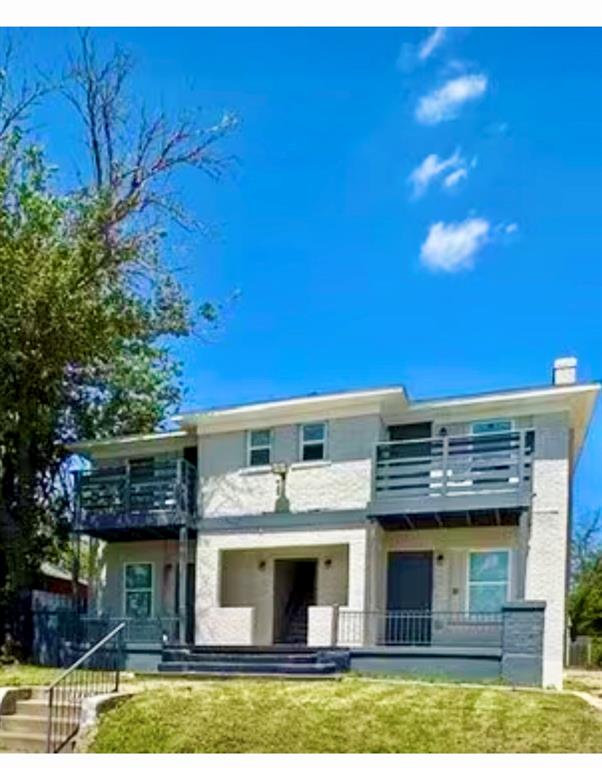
{"points": [[182, 579]]}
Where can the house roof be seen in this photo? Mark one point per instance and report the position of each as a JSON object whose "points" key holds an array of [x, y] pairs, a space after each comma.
{"points": [[312, 406], [390, 403], [56, 572]]}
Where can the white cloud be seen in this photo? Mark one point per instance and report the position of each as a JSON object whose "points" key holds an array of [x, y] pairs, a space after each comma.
{"points": [[453, 169], [450, 247], [431, 167], [432, 42], [511, 228], [445, 102], [455, 177]]}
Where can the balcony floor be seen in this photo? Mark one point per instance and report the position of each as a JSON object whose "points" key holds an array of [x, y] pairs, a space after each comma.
{"points": [[489, 516]]}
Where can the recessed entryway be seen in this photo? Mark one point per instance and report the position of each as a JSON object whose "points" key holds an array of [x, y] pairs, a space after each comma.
{"points": [[294, 592]]}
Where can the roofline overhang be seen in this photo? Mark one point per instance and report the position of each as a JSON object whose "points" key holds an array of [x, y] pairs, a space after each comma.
{"points": [[390, 403], [279, 412]]}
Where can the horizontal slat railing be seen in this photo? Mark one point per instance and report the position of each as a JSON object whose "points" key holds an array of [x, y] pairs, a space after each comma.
{"points": [[454, 465], [420, 628], [154, 492]]}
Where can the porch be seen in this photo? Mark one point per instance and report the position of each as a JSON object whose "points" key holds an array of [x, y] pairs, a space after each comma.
{"points": [[367, 586]]}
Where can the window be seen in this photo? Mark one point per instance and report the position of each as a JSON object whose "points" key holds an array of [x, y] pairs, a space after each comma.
{"points": [[487, 580], [138, 590], [260, 447], [498, 425], [313, 441]]}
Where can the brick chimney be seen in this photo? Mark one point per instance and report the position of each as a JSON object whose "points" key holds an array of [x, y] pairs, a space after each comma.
{"points": [[565, 371]]}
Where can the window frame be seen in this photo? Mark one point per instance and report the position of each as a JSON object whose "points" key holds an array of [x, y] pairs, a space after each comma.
{"points": [[511, 428], [251, 448], [508, 580], [139, 589], [303, 442]]}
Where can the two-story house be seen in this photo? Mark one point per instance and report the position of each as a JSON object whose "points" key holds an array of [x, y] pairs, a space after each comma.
{"points": [[421, 535]]}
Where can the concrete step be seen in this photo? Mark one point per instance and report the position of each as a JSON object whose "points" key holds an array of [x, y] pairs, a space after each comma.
{"points": [[266, 658], [22, 742], [33, 724], [37, 707], [249, 667], [247, 675]]}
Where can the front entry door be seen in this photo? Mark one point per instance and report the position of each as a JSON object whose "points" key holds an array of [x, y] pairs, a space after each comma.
{"points": [[409, 593], [294, 592]]}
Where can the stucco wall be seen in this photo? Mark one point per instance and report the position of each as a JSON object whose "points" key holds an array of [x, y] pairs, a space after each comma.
{"points": [[244, 583], [341, 481], [163, 555], [454, 544], [228, 574]]}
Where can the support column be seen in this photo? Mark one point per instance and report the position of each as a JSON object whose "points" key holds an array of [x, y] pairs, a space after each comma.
{"points": [[182, 579], [545, 573], [522, 642]]}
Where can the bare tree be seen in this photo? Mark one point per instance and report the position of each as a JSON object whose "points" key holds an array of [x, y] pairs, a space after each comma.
{"points": [[133, 153], [587, 541]]}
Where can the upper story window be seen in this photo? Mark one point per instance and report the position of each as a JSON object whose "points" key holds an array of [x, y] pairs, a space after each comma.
{"points": [[488, 580], [494, 425], [313, 441], [259, 447]]}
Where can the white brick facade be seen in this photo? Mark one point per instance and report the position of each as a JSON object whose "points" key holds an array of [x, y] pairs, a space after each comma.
{"points": [[342, 481], [235, 582]]}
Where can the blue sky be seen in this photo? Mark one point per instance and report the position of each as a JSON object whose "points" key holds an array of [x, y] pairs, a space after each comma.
{"points": [[409, 206]]}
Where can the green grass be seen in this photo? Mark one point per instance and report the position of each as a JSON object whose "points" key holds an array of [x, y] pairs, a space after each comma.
{"points": [[348, 716], [26, 674]]}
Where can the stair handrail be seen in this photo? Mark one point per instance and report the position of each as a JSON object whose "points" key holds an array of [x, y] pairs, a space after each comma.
{"points": [[86, 688]]}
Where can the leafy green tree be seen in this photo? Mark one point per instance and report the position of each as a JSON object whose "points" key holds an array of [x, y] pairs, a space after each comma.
{"points": [[87, 302]]}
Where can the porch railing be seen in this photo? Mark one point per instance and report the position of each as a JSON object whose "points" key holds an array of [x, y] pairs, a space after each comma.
{"points": [[420, 628], [94, 673], [136, 493], [152, 631], [446, 466]]}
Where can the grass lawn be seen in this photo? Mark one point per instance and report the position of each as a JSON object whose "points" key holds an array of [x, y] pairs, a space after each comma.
{"points": [[353, 715], [26, 674]]}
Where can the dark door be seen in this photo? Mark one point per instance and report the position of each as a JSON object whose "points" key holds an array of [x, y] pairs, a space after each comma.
{"points": [[413, 448], [409, 594], [294, 592]]}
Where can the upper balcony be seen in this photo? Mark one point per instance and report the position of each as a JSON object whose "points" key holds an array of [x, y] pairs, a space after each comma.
{"points": [[454, 479], [140, 498]]}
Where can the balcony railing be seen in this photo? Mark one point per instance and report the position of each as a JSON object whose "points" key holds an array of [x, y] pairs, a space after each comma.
{"points": [[451, 471], [151, 493], [420, 628]]}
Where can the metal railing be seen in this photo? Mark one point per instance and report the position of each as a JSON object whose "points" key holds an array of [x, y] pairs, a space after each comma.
{"points": [[454, 465], [156, 630], [420, 628], [96, 672], [151, 492]]}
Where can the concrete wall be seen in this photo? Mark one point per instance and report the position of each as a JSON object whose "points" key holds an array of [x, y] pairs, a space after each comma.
{"points": [[108, 590], [342, 481]]}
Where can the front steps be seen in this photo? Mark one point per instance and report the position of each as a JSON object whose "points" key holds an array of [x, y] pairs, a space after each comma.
{"points": [[26, 729], [253, 661]]}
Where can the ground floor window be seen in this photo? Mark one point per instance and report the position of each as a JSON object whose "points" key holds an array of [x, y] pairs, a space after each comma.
{"points": [[138, 590], [488, 579]]}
